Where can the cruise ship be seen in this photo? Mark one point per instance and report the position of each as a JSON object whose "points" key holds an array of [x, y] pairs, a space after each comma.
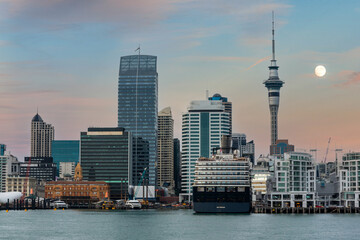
{"points": [[222, 182]]}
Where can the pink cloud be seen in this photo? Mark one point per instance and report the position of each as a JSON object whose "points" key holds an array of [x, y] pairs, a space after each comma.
{"points": [[123, 12], [349, 78]]}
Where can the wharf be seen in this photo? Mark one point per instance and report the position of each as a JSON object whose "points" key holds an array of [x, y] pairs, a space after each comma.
{"points": [[299, 210]]}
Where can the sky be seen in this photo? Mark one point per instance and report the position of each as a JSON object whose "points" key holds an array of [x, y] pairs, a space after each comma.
{"points": [[62, 57]]}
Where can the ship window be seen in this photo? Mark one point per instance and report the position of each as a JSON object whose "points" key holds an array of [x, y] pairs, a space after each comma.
{"points": [[220, 189], [201, 189], [231, 189], [210, 189], [241, 189]]}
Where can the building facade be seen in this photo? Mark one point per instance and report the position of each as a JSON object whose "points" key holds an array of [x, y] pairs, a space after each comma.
{"points": [[247, 149], [177, 166], [41, 168], [349, 180], [165, 163], [295, 181], [65, 151], [42, 135], [67, 169], [17, 184], [138, 107], [74, 191], [227, 105], [281, 147], [106, 155], [202, 128]]}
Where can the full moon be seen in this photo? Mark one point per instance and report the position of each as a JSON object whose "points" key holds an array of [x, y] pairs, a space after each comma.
{"points": [[320, 71]]}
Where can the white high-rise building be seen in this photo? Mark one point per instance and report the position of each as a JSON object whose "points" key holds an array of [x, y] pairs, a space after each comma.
{"points": [[295, 181], [42, 135], [202, 127]]}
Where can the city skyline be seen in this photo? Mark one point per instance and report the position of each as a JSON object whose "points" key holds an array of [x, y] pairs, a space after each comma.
{"points": [[66, 64]]}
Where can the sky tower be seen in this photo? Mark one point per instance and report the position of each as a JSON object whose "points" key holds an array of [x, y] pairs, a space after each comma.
{"points": [[273, 84]]}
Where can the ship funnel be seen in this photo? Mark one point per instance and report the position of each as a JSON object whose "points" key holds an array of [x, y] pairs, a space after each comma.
{"points": [[226, 143]]}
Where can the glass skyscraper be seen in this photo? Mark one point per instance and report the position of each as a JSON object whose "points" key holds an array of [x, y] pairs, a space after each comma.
{"points": [[138, 108], [105, 155], [65, 151]]}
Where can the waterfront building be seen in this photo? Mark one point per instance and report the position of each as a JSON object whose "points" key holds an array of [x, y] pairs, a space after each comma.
{"points": [[177, 166], [41, 168], [202, 128], [260, 173], [67, 169], [281, 147], [294, 181], [106, 155], [273, 84], [349, 180], [165, 163], [65, 151], [42, 135], [138, 109], [15, 183], [227, 105], [77, 192]]}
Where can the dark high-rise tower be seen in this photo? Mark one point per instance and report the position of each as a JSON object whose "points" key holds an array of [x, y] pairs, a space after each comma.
{"points": [[273, 84], [138, 109]]}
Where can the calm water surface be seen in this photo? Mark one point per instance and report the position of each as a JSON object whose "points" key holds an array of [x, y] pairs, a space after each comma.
{"points": [[180, 224]]}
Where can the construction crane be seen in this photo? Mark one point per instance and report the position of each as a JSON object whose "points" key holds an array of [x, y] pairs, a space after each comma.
{"points": [[26, 179], [140, 183], [327, 149]]}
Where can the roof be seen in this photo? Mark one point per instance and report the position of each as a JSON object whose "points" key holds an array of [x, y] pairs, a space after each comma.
{"points": [[75, 182], [165, 112], [37, 118]]}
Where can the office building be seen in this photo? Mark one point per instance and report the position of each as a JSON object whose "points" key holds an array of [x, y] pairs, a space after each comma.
{"points": [[202, 128], [65, 151], [273, 84], [177, 166], [42, 135], [138, 107], [165, 163], [227, 105], [281, 146], [106, 155], [41, 168], [8, 166], [15, 183], [247, 149], [67, 169]]}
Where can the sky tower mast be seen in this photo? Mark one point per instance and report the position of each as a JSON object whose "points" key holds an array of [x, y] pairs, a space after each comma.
{"points": [[273, 84]]}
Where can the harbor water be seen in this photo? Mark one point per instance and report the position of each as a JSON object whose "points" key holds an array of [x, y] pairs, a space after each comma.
{"points": [[173, 224]]}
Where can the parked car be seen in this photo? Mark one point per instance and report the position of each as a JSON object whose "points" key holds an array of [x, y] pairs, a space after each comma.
{"points": [[133, 204], [59, 204]]}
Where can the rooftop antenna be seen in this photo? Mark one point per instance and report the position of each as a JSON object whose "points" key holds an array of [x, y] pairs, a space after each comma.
{"points": [[273, 36]]}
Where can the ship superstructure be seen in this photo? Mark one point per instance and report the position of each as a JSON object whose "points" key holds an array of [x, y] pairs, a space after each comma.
{"points": [[222, 182]]}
